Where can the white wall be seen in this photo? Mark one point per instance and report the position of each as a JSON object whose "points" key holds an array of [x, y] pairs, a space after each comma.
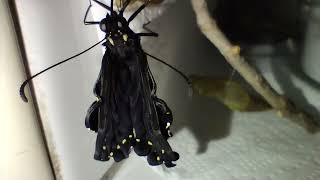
{"points": [[22, 152]]}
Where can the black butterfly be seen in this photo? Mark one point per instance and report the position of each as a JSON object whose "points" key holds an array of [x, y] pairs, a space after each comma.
{"points": [[127, 112]]}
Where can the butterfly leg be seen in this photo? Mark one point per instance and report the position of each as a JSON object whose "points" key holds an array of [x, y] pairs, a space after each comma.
{"points": [[85, 22]]}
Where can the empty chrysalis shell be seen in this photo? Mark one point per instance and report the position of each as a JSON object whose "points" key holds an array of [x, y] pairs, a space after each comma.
{"points": [[228, 92]]}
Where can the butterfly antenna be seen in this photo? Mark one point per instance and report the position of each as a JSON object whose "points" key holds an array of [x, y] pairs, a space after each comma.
{"points": [[185, 77], [22, 87]]}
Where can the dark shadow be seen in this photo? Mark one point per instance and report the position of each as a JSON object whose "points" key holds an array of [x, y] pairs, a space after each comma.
{"points": [[209, 120], [255, 22], [112, 171], [285, 69], [192, 53], [271, 23]]}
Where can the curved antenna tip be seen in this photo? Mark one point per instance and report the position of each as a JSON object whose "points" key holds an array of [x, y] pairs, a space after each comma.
{"points": [[21, 90], [22, 93]]}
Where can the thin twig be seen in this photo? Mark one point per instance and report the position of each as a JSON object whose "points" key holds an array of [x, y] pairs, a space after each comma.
{"points": [[283, 106]]}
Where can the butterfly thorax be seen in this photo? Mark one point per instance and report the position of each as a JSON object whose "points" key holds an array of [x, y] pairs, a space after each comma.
{"points": [[121, 39]]}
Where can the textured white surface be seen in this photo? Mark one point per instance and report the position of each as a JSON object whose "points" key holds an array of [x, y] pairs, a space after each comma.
{"points": [[214, 143], [22, 144]]}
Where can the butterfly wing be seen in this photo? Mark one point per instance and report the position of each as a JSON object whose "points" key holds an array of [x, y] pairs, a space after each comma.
{"points": [[127, 113]]}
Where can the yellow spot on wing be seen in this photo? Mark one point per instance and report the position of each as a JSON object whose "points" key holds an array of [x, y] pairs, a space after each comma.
{"points": [[168, 125], [125, 37], [111, 41]]}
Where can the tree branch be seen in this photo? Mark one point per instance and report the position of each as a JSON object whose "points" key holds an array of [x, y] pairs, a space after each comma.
{"points": [[283, 106]]}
